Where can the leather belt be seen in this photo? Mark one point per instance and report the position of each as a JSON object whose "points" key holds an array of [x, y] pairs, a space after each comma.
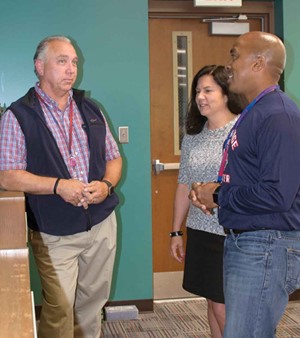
{"points": [[235, 231]]}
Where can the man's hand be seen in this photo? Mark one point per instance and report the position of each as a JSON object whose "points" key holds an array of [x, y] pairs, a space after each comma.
{"points": [[72, 191], [201, 196], [95, 192]]}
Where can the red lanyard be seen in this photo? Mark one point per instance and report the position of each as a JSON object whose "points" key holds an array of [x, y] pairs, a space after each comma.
{"points": [[71, 114], [72, 160], [234, 128]]}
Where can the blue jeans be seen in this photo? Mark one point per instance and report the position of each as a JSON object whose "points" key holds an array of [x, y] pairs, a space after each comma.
{"points": [[261, 269]]}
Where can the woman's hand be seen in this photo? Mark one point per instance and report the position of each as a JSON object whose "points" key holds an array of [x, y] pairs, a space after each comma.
{"points": [[177, 249]]}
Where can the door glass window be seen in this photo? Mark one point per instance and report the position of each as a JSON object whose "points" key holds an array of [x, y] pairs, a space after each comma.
{"points": [[182, 77]]}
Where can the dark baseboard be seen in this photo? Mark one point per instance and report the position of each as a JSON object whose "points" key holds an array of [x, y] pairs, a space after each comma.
{"points": [[38, 309], [295, 295], [143, 305]]}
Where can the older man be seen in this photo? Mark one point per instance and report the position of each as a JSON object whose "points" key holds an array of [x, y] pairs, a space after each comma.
{"points": [[55, 146]]}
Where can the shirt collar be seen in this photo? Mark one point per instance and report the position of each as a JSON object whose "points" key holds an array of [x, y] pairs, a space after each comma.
{"points": [[48, 100]]}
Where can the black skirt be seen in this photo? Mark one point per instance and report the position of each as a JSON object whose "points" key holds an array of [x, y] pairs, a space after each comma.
{"points": [[203, 269]]}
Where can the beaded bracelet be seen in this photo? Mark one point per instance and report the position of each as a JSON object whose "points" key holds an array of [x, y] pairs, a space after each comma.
{"points": [[176, 233]]}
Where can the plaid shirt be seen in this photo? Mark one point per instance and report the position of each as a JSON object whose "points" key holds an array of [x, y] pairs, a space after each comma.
{"points": [[12, 141]]}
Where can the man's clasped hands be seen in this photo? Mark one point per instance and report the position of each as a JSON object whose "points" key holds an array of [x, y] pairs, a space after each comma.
{"points": [[201, 196]]}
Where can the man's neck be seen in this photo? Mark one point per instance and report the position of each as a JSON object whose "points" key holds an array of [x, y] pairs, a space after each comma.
{"points": [[257, 90], [60, 99]]}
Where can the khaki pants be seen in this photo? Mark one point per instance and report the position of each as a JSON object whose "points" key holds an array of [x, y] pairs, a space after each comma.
{"points": [[76, 273]]}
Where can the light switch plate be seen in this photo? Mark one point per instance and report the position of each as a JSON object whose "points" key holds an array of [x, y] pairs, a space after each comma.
{"points": [[123, 134]]}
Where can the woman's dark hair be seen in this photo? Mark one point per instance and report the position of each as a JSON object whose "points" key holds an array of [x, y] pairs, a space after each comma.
{"points": [[194, 120]]}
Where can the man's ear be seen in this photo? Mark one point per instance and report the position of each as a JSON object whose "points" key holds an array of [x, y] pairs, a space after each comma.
{"points": [[39, 67], [259, 63]]}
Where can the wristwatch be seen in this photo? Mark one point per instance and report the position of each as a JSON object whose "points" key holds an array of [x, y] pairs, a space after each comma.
{"points": [[111, 188], [216, 194]]}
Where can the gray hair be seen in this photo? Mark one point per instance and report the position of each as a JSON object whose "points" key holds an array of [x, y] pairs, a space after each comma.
{"points": [[42, 48]]}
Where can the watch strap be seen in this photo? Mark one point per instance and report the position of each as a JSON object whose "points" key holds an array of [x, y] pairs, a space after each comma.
{"points": [[216, 195], [110, 186]]}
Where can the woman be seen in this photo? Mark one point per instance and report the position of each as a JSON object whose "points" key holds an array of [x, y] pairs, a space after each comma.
{"points": [[212, 113]]}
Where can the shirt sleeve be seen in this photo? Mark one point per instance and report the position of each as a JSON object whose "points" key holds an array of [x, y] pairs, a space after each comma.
{"points": [[111, 147], [12, 144]]}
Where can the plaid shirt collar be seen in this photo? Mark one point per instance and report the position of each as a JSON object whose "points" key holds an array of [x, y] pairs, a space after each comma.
{"points": [[48, 100]]}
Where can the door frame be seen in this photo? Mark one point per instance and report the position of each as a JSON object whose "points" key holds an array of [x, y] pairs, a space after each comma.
{"points": [[263, 10]]}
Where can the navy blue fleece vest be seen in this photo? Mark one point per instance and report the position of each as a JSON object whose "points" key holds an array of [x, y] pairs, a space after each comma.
{"points": [[50, 213]]}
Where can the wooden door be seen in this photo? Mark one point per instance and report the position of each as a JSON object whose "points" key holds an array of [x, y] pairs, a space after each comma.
{"points": [[204, 49]]}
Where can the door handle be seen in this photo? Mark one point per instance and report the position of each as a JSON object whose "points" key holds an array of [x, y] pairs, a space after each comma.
{"points": [[158, 166]]}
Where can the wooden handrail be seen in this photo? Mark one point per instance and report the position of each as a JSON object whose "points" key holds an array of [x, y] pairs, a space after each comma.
{"points": [[12, 220], [16, 316]]}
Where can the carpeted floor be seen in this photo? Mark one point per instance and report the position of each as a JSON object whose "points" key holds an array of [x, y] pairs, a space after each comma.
{"points": [[186, 318]]}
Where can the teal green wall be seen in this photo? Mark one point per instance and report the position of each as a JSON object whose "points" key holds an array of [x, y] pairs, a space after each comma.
{"points": [[112, 38], [291, 10]]}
